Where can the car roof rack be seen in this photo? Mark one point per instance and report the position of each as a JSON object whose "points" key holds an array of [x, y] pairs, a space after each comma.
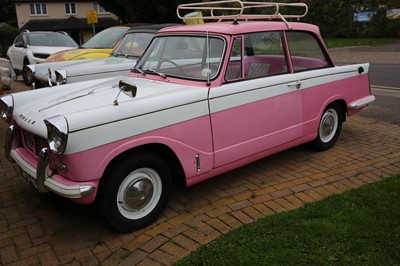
{"points": [[216, 10]]}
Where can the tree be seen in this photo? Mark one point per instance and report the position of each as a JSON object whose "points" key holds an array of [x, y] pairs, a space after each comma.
{"points": [[336, 17], [150, 11], [8, 22], [7, 12]]}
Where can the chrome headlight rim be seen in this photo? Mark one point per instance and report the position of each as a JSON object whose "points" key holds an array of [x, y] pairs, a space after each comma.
{"points": [[6, 107], [57, 133], [61, 76]]}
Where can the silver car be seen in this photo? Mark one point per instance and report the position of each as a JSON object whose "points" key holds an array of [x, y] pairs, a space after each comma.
{"points": [[121, 60]]}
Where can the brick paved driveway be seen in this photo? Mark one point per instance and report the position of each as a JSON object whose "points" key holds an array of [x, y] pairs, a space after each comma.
{"points": [[48, 230]]}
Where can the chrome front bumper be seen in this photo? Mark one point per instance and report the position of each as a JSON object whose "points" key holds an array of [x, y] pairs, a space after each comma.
{"points": [[38, 176]]}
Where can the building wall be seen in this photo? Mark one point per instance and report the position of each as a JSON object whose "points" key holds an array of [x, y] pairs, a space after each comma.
{"points": [[55, 11]]}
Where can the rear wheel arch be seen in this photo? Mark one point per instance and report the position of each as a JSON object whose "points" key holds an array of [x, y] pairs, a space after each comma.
{"points": [[343, 106], [341, 103]]}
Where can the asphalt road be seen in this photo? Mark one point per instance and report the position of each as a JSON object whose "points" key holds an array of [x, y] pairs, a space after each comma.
{"points": [[385, 83], [385, 75]]}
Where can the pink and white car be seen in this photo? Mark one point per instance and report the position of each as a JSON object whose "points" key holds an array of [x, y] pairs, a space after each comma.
{"points": [[204, 99]]}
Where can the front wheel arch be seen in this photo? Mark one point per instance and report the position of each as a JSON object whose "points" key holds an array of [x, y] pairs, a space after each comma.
{"points": [[27, 80], [159, 149]]}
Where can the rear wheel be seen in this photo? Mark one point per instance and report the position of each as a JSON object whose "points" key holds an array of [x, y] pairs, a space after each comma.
{"points": [[329, 127], [135, 192]]}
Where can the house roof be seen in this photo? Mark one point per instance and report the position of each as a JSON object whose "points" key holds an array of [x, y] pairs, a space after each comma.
{"points": [[71, 23]]}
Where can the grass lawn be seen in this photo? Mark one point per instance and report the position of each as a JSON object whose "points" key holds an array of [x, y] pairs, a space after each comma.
{"points": [[341, 42], [358, 227]]}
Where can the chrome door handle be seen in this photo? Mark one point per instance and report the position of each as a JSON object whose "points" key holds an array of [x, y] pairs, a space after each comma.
{"points": [[297, 85]]}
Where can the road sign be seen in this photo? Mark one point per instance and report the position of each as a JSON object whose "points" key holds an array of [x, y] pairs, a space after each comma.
{"points": [[91, 16]]}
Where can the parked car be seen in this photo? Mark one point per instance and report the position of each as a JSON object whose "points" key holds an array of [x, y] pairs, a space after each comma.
{"points": [[99, 46], [33, 47], [121, 60], [202, 100]]}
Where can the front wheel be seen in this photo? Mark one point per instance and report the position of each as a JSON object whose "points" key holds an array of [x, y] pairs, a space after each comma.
{"points": [[135, 192], [27, 78], [329, 127]]}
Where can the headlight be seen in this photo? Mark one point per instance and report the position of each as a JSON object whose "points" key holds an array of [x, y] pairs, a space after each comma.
{"points": [[61, 76], [57, 133], [6, 107]]}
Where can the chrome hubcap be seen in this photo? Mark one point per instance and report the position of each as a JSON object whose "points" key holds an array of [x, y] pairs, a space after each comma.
{"points": [[139, 193], [328, 126]]}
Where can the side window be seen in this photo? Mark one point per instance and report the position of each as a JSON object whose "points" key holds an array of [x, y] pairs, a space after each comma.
{"points": [[234, 70], [265, 55], [19, 39], [305, 51]]}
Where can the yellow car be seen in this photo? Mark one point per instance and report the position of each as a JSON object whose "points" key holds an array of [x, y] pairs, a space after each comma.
{"points": [[99, 46]]}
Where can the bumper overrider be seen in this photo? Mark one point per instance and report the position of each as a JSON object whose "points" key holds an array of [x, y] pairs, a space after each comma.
{"points": [[39, 176]]}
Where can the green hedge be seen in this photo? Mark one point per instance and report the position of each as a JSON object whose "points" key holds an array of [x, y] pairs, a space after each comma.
{"points": [[7, 36]]}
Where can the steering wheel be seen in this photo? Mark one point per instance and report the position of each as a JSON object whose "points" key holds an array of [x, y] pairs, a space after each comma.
{"points": [[174, 64]]}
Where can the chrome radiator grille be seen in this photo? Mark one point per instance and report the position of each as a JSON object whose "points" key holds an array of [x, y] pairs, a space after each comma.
{"points": [[32, 142]]}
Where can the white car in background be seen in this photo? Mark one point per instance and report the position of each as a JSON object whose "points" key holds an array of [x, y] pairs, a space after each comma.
{"points": [[33, 47], [122, 59]]}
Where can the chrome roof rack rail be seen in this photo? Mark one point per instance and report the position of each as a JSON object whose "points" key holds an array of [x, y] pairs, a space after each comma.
{"points": [[216, 10]]}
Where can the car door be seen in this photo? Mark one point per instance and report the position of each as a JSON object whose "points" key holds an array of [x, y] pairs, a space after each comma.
{"points": [[259, 107], [316, 74], [16, 53]]}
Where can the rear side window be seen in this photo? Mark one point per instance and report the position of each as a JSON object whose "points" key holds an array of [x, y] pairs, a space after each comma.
{"points": [[305, 51]]}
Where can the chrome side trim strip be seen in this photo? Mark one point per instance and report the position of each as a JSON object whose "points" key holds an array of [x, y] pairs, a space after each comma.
{"points": [[362, 102]]}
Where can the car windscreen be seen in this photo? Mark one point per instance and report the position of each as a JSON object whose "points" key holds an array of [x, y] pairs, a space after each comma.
{"points": [[187, 56], [133, 44], [51, 39], [106, 39]]}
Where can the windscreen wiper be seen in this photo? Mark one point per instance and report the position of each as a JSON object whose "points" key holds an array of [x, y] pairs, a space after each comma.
{"points": [[152, 71], [119, 53], [136, 69]]}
